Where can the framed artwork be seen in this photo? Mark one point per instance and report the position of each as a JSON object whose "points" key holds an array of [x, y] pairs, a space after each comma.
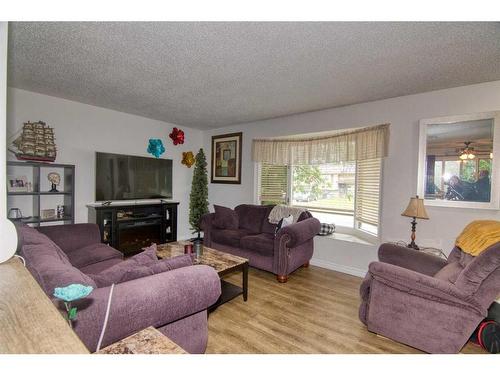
{"points": [[458, 161], [226, 158], [17, 184]]}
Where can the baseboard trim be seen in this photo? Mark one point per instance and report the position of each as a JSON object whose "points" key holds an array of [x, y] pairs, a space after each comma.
{"points": [[338, 267]]}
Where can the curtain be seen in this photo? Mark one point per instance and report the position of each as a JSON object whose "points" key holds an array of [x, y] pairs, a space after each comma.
{"points": [[359, 144]]}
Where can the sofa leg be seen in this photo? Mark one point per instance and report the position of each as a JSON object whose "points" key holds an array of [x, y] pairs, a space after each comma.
{"points": [[282, 278], [306, 265]]}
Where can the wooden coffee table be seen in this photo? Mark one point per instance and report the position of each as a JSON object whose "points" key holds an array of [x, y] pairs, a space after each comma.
{"points": [[223, 263]]}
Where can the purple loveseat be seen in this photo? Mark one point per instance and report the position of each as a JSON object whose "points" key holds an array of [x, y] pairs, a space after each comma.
{"points": [[255, 239], [174, 302], [428, 302]]}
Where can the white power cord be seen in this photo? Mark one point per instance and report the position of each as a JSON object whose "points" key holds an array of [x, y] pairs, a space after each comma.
{"points": [[105, 318], [22, 259]]}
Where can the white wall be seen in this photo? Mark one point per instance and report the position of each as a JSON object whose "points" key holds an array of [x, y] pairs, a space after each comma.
{"points": [[3, 112], [400, 168], [81, 130]]}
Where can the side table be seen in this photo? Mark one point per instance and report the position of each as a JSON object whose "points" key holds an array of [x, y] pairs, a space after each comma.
{"points": [[429, 250], [434, 251], [147, 341]]}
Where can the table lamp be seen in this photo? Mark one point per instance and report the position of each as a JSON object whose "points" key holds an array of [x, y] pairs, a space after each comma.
{"points": [[416, 210]]}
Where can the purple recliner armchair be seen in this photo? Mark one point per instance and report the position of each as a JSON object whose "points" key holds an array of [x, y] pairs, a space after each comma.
{"points": [[427, 302], [175, 302]]}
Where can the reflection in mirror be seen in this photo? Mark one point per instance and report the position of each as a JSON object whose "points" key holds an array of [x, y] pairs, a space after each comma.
{"points": [[458, 161]]}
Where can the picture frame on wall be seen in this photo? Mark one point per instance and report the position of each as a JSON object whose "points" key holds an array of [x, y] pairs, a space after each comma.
{"points": [[226, 158]]}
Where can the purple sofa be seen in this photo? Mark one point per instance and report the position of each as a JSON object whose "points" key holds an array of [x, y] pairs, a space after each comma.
{"points": [[255, 239], [428, 302], [174, 302]]}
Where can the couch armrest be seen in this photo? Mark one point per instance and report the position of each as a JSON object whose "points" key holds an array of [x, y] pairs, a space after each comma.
{"points": [[299, 232], [422, 285], [206, 224], [148, 301], [71, 237], [289, 238], [414, 260]]}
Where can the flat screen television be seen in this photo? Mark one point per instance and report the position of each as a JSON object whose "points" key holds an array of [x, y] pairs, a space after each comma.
{"points": [[126, 177]]}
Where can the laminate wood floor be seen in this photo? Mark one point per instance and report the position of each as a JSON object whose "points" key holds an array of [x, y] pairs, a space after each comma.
{"points": [[316, 311]]}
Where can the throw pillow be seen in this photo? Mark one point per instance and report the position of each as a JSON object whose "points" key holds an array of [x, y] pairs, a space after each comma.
{"points": [[225, 218], [130, 269], [148, 255], [326, 229], [171, 263], [284, 222], [120, 275]]}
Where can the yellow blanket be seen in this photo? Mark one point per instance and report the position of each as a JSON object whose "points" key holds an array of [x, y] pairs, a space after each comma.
{"points": [[478, 236]]}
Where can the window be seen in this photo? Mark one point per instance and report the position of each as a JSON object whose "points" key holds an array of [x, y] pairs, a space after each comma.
{"points": [[368, 177], [345, 193], [273, 184]]}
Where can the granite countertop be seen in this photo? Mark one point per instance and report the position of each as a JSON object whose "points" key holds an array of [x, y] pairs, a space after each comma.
{"points": [[147, 341]]}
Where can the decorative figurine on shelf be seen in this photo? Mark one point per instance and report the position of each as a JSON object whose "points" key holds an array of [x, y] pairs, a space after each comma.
{"points": [[69, 294], [55, 179], [155, 147], [177, 136], [60, 211], [188, 159]]}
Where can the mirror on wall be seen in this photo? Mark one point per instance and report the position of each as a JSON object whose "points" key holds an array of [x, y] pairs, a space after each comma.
{"points": [[459, 161]]}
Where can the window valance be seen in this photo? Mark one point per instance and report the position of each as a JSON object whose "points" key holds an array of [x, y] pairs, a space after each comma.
{"points": [[358, 144]]}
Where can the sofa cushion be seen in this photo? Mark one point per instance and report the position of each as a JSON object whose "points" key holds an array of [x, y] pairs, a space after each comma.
{"points": [[230, 237], [101, 266], [268, 227], [251, 217], [130, 269], [450, 272], [225, 218], [50, 271], [262, 243], [30, 236], [92, 254]]}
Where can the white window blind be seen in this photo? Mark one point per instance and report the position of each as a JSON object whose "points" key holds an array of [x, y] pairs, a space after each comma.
{"points": [[368, 180], [273, 184]]}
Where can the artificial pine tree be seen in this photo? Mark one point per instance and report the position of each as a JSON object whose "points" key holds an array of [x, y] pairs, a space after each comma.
{"points": [[198, 198]]}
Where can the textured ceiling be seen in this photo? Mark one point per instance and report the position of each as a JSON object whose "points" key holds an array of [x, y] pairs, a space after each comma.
{"points": [[208, 75]]}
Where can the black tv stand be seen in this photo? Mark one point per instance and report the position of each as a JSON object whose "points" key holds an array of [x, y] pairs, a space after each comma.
{"points": [[129, 227]]}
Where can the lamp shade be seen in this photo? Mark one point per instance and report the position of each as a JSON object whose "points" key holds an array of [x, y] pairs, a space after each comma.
{"points": [[416, 209]]}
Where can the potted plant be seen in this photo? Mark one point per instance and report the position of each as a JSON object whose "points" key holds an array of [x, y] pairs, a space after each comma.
{"points": [[198, 198]]}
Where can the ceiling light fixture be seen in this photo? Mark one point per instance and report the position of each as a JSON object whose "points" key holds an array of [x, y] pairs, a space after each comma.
{"points": [[467, 152]]}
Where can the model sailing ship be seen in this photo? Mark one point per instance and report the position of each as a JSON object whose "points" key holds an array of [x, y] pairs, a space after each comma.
{"points": [[36, 142]]}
